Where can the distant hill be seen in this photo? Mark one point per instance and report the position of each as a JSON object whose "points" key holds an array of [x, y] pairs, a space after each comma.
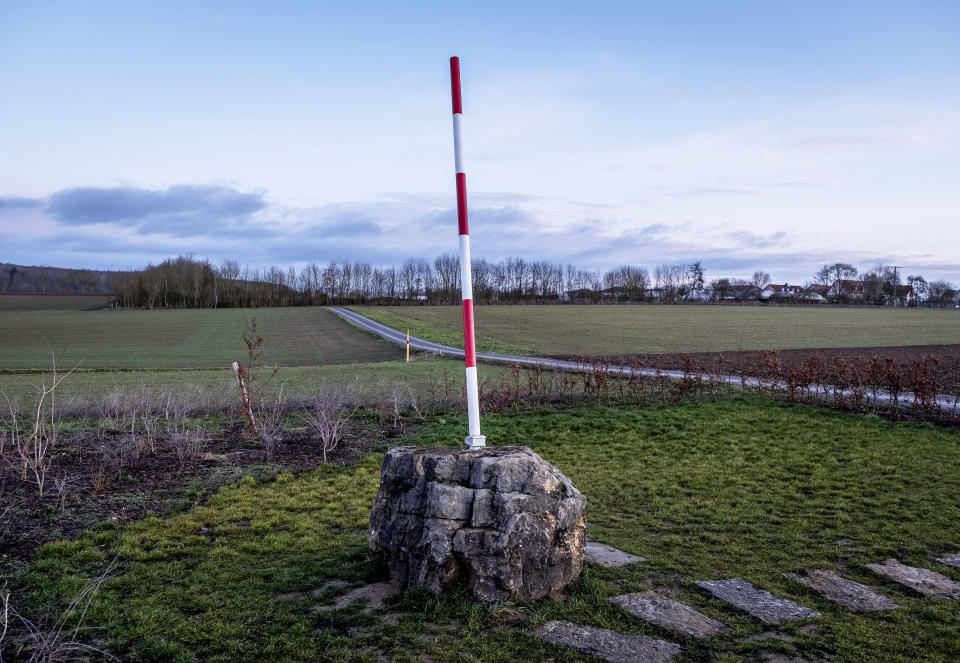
{"points": [[27, 278]]}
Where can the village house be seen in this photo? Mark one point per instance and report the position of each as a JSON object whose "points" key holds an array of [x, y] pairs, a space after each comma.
{"points": [[855, 292], [778, 291], [905, 295], [847, 290], [816, 294]]}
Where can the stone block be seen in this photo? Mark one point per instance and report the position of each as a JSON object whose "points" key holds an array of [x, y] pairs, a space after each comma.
{"points": [[851, 595], [950, 560], [922, 581], [608, 556], [501, 520], [611, 646], [756, 602], [668, 614]]}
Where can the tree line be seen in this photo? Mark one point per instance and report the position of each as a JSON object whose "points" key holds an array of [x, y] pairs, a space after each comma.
{"points": [[24, 278], [186, 282], [882, 281]]}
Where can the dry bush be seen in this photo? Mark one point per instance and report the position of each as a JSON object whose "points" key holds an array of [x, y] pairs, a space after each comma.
{"points": [[269, 417], [328, 418], [32, 435], [187, 443], [864, 383], [25, 640]]}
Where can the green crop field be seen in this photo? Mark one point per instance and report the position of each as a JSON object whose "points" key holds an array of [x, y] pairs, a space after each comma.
{"points": [[296, 381], [52, 302], [197, 338], [739, 488], [616, 330]]}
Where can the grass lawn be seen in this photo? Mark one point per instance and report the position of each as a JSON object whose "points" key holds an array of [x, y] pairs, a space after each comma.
{"points": [[737, 488], [618, 330], [197, 338]]}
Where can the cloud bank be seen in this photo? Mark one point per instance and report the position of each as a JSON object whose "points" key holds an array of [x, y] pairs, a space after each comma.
{"points": [[128, 226]]}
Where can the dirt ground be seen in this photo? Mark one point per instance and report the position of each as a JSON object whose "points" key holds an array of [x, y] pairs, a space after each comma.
{"points": [[83, 490]]}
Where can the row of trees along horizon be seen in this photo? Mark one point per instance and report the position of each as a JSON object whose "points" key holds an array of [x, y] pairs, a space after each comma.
{"points": [[186, 282]]}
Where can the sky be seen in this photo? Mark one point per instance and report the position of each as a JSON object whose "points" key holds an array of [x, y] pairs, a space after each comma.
{"points": [[747, 135]]}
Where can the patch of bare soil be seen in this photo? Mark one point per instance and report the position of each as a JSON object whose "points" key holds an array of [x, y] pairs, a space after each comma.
{"points": [[95, 478]]}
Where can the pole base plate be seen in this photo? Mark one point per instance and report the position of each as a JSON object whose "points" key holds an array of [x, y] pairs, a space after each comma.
{"points": [[475, 442]]}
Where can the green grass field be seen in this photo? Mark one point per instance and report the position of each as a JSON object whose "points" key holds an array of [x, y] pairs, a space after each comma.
{"points": [[738, 488], [616, 330], [200, 338]]}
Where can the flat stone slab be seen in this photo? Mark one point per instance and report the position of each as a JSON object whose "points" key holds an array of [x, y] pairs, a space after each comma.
{"points": [[924, 581], [314, 593], [756, 602], [950, 560], [667, 613], [609, 645], [608, 556], [374, 596], [851, 595]]}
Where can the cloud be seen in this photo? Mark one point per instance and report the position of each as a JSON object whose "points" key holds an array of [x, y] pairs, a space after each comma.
{"points": [[705, 191], [17, 202], [131, 226], [847, 141], [182, 209], [505, 217], [340, 220], [757, 240]]}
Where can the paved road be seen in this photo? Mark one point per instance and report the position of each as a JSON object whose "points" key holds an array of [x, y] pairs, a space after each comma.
{"points": [[389, 333]]}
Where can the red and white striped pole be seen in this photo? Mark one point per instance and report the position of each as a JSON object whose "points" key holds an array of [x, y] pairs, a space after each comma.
{"points": [[475, 440]]}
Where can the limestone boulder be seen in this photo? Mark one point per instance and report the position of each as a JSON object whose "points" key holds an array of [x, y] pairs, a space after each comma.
{"points": [[501, 520]]}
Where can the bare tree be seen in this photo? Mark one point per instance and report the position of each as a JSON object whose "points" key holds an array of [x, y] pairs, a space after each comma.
{"points": [[838, 271], [696, 276], [759, 281], [721, 288], [941, 292]]}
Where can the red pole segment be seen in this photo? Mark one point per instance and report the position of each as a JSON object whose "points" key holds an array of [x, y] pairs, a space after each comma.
{"points": [[475, 440]]}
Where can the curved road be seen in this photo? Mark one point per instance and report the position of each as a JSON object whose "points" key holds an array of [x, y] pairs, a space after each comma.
{"points": [[396, 336]]}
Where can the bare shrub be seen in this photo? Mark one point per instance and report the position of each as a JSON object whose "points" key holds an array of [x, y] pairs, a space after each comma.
{"points": [[63, 485], [328, 417], [35, 442], [270, 423], [61, 640], [9, 422], [416, 404], [187, 443], [99, 480], [389, 407]]}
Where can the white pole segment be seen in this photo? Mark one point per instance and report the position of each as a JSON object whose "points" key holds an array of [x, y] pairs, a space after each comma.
{"points": [[466, 274], [457, 145], [473, 411]]}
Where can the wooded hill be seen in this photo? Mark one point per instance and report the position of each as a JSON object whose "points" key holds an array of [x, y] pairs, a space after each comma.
{"points": [[58, 280]]}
